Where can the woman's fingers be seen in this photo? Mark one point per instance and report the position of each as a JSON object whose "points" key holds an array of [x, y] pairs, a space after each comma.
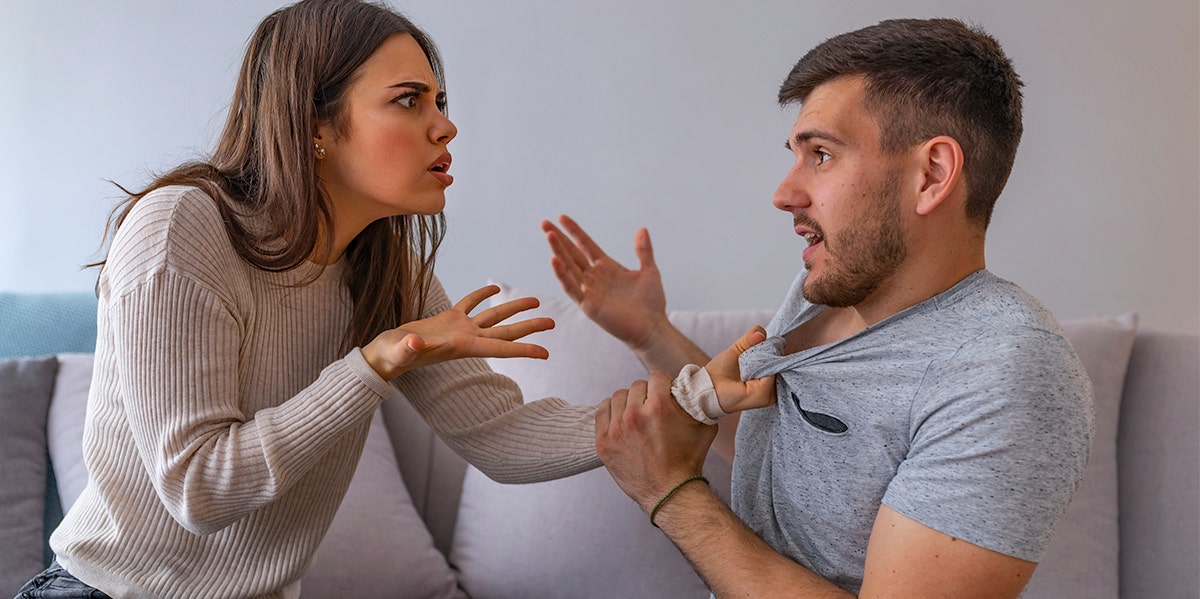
{"points": [[490, 317], [725, 364], [517, 330], [473, 299], [501, 312], [500, 348]]}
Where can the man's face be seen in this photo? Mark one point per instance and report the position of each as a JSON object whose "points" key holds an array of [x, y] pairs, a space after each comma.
{"points": [[844, 195]]}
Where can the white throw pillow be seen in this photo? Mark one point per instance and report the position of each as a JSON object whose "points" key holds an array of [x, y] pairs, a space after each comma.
{"points": [[377, 545], [64, 425], [1083, 559], [579, 537]]}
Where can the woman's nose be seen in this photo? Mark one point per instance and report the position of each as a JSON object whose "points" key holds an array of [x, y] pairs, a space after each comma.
{"points": [[443, 130]]}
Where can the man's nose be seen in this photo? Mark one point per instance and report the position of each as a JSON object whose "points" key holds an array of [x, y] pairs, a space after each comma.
{"points": [[791, 193]]}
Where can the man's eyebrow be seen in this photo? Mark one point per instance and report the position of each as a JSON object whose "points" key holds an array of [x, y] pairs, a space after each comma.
{"points": [[804, 136]]}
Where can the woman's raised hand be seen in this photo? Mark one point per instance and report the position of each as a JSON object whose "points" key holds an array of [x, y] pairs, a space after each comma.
{"points": [[456, 334], [629, 304]]}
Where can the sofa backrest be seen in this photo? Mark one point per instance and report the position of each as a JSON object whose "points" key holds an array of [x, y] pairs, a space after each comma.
{"points": [[1159, 467]]}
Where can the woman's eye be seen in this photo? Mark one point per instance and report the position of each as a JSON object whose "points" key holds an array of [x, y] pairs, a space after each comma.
{"points": [[407, 101]]}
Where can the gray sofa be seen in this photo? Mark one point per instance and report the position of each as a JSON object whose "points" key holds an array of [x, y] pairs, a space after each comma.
{"points": [[419, 522]]}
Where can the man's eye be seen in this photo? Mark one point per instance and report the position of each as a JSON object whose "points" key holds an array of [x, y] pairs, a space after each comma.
{"points": [[822, 156]]}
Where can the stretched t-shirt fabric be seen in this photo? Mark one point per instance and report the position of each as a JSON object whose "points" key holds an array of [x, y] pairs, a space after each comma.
{"points": [[224, 423], [969, 413]]}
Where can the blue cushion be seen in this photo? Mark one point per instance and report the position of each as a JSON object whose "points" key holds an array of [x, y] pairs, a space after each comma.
{"points": [[37, 324]]}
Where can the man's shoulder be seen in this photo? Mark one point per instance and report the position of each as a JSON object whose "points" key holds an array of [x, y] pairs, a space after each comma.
{"points": [[1008, 340], [996, 307]]}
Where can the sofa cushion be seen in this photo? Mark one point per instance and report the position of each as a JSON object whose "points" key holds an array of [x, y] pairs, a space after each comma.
{"points": [[25, 388], [377, 545], [432, 472], [581, 536], [1083, 557]]}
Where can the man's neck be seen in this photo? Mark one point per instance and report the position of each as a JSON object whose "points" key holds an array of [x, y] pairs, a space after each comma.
{"points": [[906, 288]]}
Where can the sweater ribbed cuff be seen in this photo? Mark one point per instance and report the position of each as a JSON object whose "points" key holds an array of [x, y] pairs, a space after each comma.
{"points": [[694, 391], [359, 366]]}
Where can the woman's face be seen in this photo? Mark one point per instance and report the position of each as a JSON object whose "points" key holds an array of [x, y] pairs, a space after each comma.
{"points": [[391, 159]]}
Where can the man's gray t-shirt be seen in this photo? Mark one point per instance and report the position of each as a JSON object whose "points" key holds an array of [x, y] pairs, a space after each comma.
{"points": [[969, 413]]}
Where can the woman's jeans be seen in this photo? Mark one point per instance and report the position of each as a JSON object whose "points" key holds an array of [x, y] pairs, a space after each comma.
{"points": [[57, 583]]}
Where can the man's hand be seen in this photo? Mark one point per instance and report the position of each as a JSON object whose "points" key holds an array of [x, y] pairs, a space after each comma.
{"points": [[629, 304], [647, 442], [455, 334]]}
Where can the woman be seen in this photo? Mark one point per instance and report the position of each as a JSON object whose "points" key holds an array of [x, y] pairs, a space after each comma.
{"points": [[231, 399]]}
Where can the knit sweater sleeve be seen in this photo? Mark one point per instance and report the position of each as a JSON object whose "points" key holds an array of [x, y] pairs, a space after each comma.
{"points": [[483, 417], [176, 338]]}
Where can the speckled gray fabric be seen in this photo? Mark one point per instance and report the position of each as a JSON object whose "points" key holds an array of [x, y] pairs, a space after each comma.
{"points": [[969, 413]]}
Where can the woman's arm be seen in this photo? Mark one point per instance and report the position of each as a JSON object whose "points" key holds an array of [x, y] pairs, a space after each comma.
{"points": [[211, 457], [483, 417]]}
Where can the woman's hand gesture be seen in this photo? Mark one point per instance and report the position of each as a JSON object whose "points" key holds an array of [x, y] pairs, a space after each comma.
{"points": [[456, 334]]}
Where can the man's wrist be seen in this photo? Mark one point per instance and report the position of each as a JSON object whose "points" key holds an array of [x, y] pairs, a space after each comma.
{"points": [[698, 478], [654, 337], [679, 505], [667, 349]]}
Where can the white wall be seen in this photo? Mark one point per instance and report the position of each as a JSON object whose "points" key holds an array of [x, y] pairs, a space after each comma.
{"points": [[626, 113]]}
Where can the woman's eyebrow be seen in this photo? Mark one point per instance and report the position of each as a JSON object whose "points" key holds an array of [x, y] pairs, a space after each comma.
{"points": [[417, 85]]}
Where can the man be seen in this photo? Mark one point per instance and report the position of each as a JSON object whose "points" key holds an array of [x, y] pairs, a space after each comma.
{"points": [[926, 421]]}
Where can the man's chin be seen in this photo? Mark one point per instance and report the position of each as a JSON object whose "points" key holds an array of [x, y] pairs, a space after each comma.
{"points": [[818, 294]]}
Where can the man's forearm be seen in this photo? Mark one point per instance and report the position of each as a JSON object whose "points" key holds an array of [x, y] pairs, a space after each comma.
{"points": [[731, 559], [668, 350]]}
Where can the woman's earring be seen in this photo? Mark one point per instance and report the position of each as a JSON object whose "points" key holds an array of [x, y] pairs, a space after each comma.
{"points": [[320, 150]]}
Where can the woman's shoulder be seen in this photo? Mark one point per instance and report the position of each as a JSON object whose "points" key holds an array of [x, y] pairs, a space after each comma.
{"points": [[173, 207], [176, 227]]}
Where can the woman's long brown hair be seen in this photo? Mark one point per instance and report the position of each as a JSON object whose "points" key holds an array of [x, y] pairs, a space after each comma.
{"points": [[298, 65]]}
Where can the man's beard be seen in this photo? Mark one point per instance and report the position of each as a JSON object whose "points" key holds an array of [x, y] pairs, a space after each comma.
{"points": [[860, 258]]}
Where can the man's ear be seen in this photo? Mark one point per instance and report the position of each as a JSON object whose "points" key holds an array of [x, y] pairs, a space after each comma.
{"points": [[941, 161]]}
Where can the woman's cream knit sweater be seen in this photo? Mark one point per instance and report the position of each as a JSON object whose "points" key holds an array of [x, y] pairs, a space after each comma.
{"points": [[224, 424]]}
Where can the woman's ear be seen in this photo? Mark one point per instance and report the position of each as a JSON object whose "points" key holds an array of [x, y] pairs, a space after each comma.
{"points": [[942, 162]]}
